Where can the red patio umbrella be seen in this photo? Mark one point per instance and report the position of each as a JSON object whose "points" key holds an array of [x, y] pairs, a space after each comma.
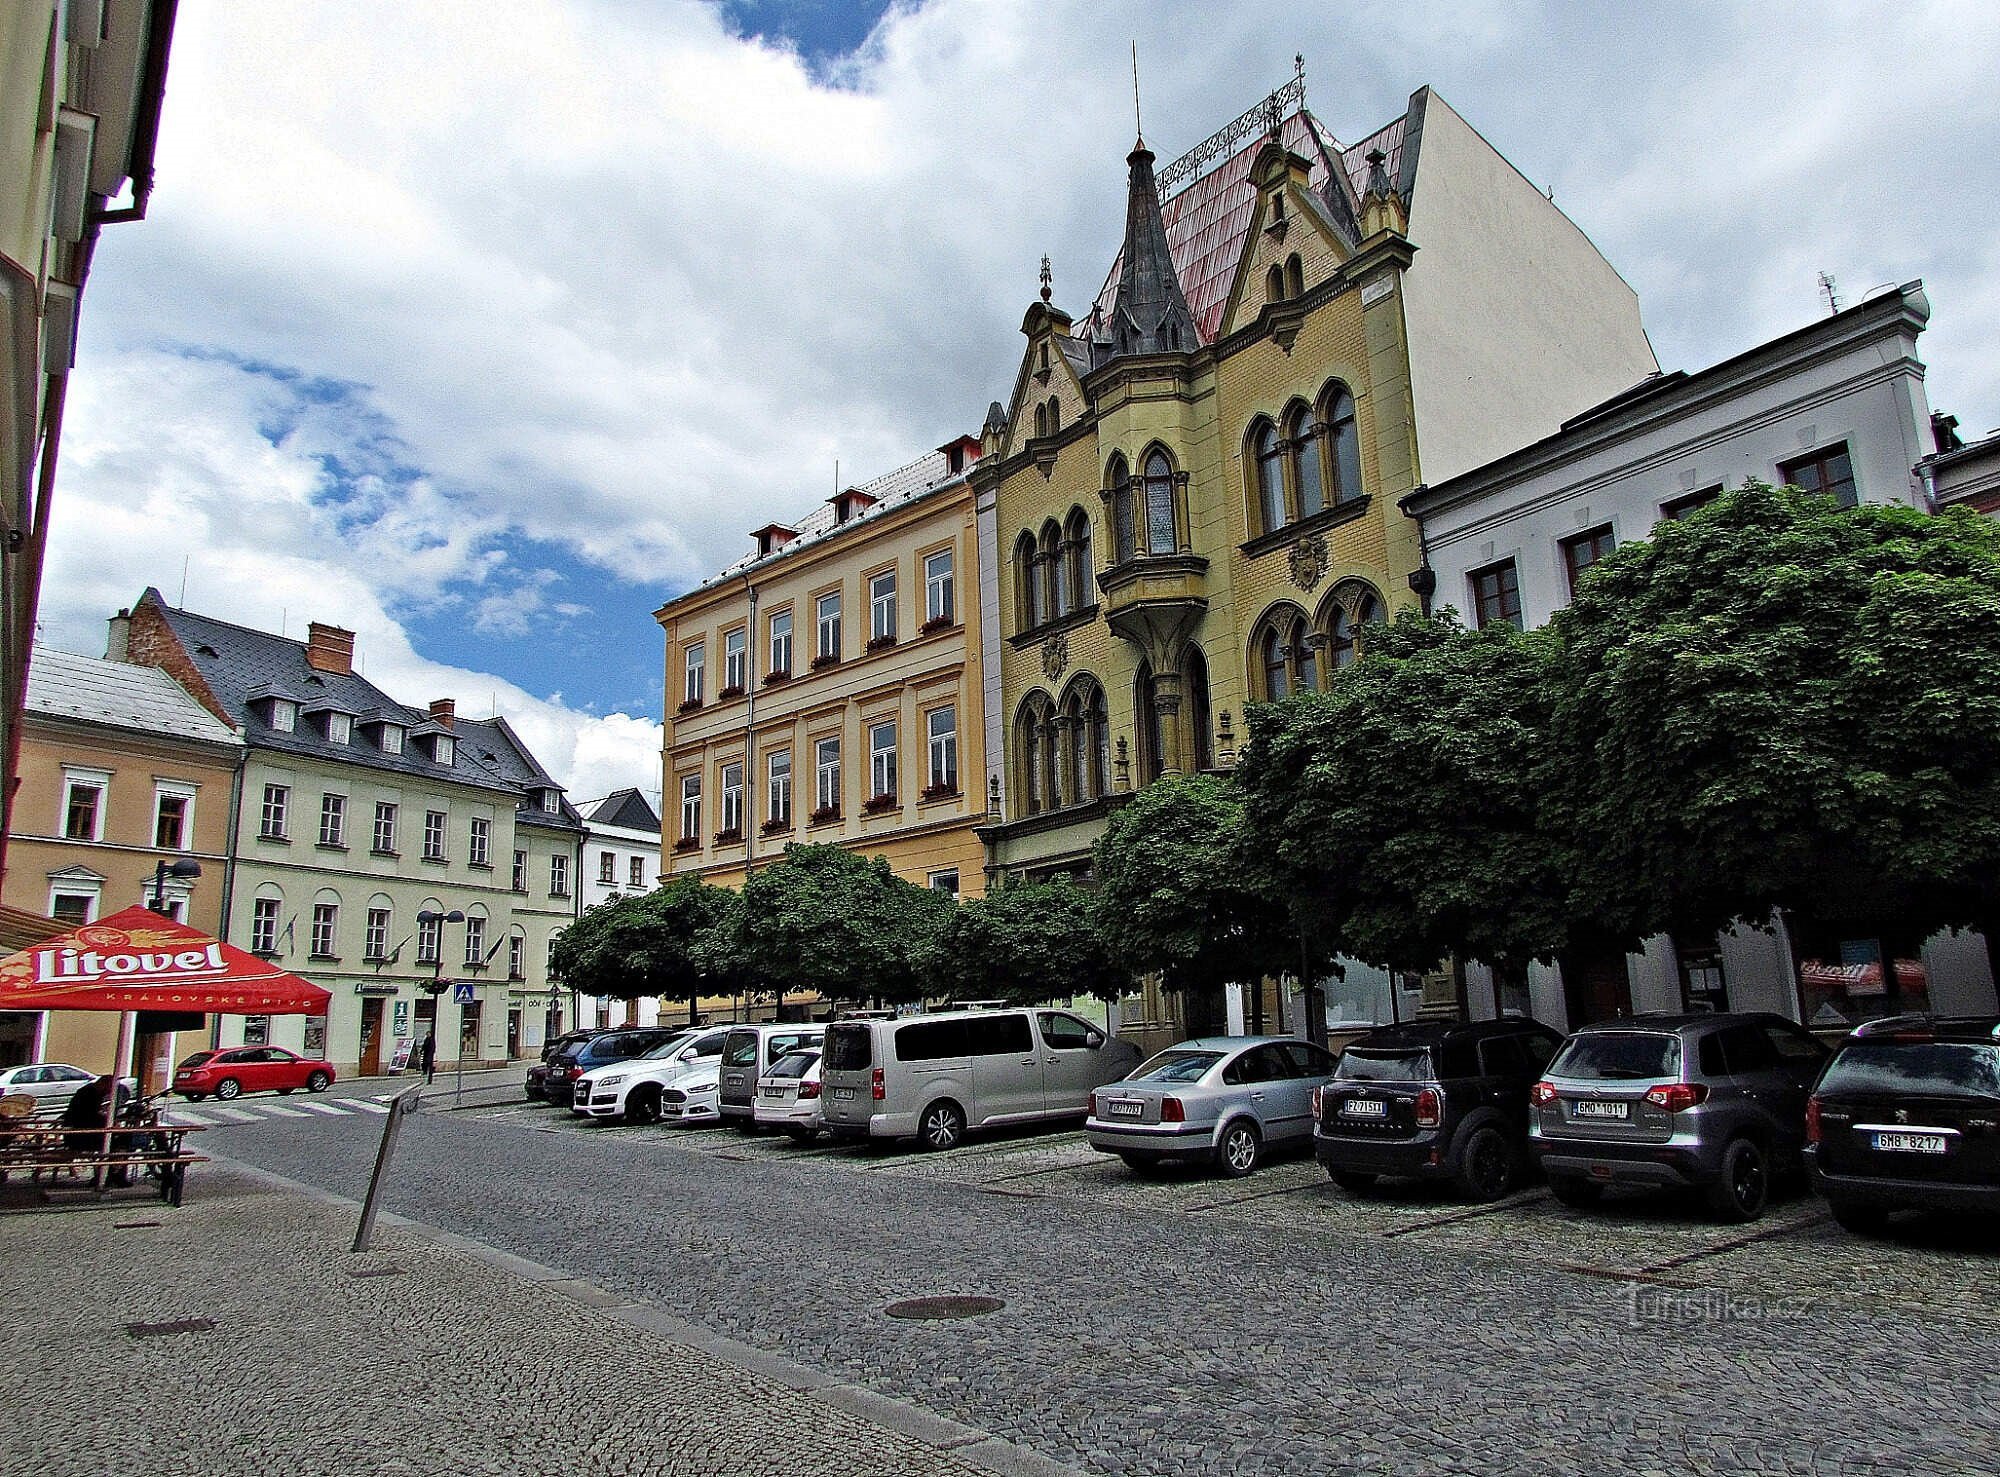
{"points": [[141, 960]]}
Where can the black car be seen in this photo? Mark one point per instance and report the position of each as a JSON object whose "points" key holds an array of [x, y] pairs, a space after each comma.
{"points": [[1433, 1100], [1907, 1117], [603, 1048], [538, 1074]]}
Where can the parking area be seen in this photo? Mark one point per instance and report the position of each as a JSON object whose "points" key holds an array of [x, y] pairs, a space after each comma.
{"points": [[1793, 1256]]}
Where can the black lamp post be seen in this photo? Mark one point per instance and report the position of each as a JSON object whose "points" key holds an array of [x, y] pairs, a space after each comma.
{"points": [[184, 868], [430, 917]]}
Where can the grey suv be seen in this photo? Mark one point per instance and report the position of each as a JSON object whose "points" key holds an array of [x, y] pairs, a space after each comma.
{"points": [[1714, 1103]]}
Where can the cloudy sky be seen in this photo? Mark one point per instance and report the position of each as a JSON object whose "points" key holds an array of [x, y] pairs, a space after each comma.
{"points": [[485, 326]]}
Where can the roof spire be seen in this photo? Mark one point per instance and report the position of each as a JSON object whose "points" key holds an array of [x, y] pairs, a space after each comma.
{"points": [[1150, 315], [1138, 128]]}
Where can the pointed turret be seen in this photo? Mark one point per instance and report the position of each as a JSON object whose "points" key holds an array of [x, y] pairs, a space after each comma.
{"points": [[1151, 314]]}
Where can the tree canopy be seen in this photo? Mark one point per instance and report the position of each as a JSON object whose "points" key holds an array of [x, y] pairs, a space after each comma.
{"points": [[823, 918], [659, 943], [1025, 943]]}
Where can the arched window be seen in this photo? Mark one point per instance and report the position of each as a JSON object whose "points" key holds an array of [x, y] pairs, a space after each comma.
{"points": [[1152, 761], [1100, 743], [1343, 443], [1034, 737], [1352, 605], [1123, 532], [1295, 275], [1272, 654], [1055, 588], [1286, 650], [1193, 715], [1268, 458], [1303, 440], [1041, 421], [1162, 535], [1055, 415], [1027, 566], [1076, 546], [1274, 284]]}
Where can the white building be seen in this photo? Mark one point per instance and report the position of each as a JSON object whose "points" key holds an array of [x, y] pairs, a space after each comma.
{"points": [[621, 859]]}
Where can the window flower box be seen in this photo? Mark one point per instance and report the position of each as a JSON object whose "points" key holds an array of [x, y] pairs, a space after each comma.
{"points": [[687, 844], [881, 643], [692, 705], [935, 624], [729, 837], [729, 692], [774, 679], [939, 792], [876, 804], [826, 659], [824, 815], [775, 827]]}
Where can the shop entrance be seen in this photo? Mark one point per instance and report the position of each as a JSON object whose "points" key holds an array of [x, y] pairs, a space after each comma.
{"points": [[371, 1038], [513, 1032], [18, 1029], [468, 1032]]}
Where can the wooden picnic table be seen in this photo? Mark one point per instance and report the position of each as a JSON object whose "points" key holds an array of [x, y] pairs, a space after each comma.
{"points": [[47, 1148]]}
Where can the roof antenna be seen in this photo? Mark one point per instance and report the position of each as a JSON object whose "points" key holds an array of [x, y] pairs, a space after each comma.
{"points": [[183, 603], [1137, 126], [1828, 291]]}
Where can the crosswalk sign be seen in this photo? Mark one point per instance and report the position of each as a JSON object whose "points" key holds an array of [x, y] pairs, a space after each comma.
{"points": [[461, 993]]}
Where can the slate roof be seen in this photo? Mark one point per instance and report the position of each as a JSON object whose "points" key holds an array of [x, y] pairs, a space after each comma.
{"points": [[239, 664], [119, 695], [625, 808]]}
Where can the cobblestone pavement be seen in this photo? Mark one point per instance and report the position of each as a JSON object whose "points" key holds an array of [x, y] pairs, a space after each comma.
{"points": [[417, 1357], [1190, 1324]]}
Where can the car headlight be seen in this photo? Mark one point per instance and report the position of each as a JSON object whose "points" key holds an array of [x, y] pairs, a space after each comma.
{"points": [[612, 1081], [701, 1087]]}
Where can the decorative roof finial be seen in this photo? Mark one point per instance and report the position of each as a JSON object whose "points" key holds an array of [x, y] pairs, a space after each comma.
{"points": [[1047, 278], [1378, 177], [1137, 126]]}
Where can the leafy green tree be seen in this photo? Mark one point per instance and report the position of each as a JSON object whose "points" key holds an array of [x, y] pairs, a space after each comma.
{"points": [[1025, 943], [1175, 895], [1399, 811], [660, 943], [822, 918], [1779, 703]]}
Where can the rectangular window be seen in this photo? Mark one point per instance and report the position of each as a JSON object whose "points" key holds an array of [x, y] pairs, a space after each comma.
{"points": [[1496, 595], [1582, 550], [375, 939], [173, 817], [734, 647], [264, 925], [778, 787], [72, 908], [1679, 507], [607, 867], [520, 881], [83, 807], [284, 715], [479, 842], [1829, 471], [559, 875], [781, 642], [324, 917], [882, 759], [475, 941], [691, 807], [943, 881], [385, 827], [696, 658], [827, 614], [443, 750], [942, 727], [516, 949], [826, 775], [732, 799], [638, 872], [339, 727], [882, 607], [430, 940], [938, 587], [434, 823], [332, 820], [277, 801], [392, 738]]}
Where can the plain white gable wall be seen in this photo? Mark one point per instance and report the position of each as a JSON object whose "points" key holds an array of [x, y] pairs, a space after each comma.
{"points": [[1515, 321]]}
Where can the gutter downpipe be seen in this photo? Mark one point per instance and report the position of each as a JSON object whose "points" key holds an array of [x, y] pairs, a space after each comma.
{"points": [[750, 755], [229, 858]]}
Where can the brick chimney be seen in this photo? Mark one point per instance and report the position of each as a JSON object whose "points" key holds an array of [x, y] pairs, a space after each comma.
{"points": [[329, 649], [445, 712]]}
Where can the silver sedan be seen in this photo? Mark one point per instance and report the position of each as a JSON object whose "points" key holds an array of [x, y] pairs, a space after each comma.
{"points": [[1222, 1098]]}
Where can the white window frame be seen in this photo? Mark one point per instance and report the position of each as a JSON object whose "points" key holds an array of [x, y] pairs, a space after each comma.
{"points": [[519, 876], [475, 940], [781, 641], [691, 807], [284, 715], [558, 874], [274, 816], [265, 913], [479, 842], [943, 746], [325, 930], [392, 738], [882, 606], [517, 956], [339, 728], [443, 751], [382, 837], [735, 659], [778, 786], [163, 791], [638, 871], [882, 759], [939, 587], [827, 622], [332, 807], [607, 868], [88, 889], [694, 673], [826, 774], [729, 804], [76, 778], [437, 834], [375, 934]]}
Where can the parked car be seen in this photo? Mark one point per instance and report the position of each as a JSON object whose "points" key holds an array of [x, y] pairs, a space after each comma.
{"points": [[1223, 1098], [788, 1097], [934, 1076], [632, 1085], [538, 1074], [747, 1056], [1433, 1100], [1715, 1103], [569, 1067], [1907, 1117], [236, 1070], [692, 1096], [51, 1085]]}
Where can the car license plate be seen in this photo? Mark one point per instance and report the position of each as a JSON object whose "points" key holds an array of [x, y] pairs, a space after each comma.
{"points": [[1911, 1143], [1123, 1108], [842, 1094], [1364, 1107], [1600, 1110], [734, 1079], [773, 1091]]}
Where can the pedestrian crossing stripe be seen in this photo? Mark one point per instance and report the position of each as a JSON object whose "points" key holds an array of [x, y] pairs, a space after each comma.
{"points": [[234, 1115], [365, 1105], [324, 1108], [279, 1110]]}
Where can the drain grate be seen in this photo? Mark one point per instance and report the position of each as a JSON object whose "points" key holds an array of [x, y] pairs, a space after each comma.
{"points": [[944, 1307], [163, 1330], [376, 1272], [134, 1225]]}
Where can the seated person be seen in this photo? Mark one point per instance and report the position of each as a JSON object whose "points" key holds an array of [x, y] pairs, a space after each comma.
{"points": [[86, 1110]]}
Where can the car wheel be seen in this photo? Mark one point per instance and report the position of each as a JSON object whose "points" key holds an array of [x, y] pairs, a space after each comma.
{"points": [[1862, 1220], [228, 1088], [1745, 1183], [319, 1082], [643, 1105], [1237, 1154], [1354, 1181], [1486, 1169], [1573, 1192], [942, 1126]]}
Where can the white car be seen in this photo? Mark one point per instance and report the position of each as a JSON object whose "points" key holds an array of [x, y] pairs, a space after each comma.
{"points": [[635, 1089], [788, 1097], [50, 1084], [695, 1096]]}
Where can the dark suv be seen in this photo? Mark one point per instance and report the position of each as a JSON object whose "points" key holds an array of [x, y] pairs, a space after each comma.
{"points": [[1433, 1100], [1715, 1103], [538, 1074], [1907, 1117], [601, 1049]]}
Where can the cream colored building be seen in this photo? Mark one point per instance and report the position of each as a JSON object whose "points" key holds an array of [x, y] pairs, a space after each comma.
{"points": [[81, 82], [828, 688]]}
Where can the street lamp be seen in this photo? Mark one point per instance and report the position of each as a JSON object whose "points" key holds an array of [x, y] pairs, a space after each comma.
{"points": [[432, 918], [185, 868]]}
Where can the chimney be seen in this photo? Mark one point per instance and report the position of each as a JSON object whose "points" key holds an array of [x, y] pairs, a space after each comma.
{"points": [[118, 647], [444, 712], [329, 649]]}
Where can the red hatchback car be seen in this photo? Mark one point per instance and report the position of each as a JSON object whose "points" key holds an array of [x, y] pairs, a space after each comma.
{"points": [[240, 1069]]}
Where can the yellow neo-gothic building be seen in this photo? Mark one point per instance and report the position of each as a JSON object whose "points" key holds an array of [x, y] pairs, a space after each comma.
{"points": [[1190, 502]]}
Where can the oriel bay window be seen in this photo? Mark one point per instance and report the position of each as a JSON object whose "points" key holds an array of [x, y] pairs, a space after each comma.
{"points": [[731, 791], [1162, 527], [941, 727], [1145, 512]]}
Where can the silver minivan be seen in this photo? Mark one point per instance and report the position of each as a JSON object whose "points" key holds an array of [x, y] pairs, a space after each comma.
{"points": [[931, 1077], [747, 1058]]}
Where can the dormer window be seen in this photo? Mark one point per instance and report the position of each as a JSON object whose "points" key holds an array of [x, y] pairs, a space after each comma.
{"points": [[339, 728], [444, 749], [392, 738], [284, 714]]}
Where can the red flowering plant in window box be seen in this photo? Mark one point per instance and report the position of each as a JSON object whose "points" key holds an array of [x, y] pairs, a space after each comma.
{"points": [[733, 690], [939, 792], [881, 643], [782, 674], [935, 624], [688, 843], [823, 815], [826, 659], [875, 804], [733, 834], [775, 826], [693, 704]]}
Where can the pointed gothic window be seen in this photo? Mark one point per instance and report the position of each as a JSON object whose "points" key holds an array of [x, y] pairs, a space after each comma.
{"points": [[1055, 583], [1302, 436], [1295, 276], [1343, 443], [1161, 536], [1076, 548], [1274, 284], [1270, 476], [1123, 534]]}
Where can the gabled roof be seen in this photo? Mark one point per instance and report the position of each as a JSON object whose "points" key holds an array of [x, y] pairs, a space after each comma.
{"points": [[626, 808], [119, 695]]}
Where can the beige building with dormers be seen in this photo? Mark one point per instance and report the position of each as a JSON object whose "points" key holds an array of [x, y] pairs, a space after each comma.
{"points": [[828, 688]]}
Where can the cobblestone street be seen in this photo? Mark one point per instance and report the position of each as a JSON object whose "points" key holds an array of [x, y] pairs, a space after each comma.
{"points": [[1193, 1324]]}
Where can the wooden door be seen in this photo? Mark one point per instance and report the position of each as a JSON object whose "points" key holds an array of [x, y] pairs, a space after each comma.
{"points": [[371, 1038]]}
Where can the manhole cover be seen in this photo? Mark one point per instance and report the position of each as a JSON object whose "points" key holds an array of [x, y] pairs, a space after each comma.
{"points": [[162, 1330], [944, 1307]]}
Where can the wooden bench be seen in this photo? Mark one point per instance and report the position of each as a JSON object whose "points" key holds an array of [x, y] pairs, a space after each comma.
{"points": [[41, 1149]]}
